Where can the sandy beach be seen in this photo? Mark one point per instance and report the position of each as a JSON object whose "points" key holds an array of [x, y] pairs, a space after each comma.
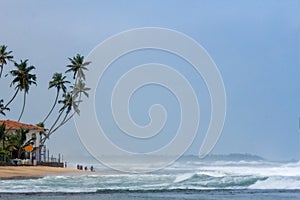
{"points": [[11, 172]]}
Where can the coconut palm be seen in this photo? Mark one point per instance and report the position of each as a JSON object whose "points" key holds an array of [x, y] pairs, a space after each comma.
{"points": [[77, 66], [3, 152], [79, 89], [17, 141], [23, 79], [4, 57], [58, 81], [2, 107], [69, 104], [72, 99]]}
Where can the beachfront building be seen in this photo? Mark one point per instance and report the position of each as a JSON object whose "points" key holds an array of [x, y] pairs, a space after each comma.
{"points": [[33, 137]]}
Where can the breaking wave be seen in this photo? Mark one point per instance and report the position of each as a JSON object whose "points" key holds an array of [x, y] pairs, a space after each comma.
{"points": [[182, 175]]}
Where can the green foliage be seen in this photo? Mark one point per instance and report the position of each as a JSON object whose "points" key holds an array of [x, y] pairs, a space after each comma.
{"points": [[17, 141], [77, 66], [70, 100], [4, 57], [22, 77], [80, 88], [58, 81], [4, 155], [4, 152], [2, 135], [2, 130]]}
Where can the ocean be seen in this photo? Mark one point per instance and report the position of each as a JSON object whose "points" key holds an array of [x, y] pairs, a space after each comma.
{"points": [[188, 178]]}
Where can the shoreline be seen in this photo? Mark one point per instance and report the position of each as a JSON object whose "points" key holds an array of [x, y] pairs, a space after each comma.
{"points": [[33, 172]]}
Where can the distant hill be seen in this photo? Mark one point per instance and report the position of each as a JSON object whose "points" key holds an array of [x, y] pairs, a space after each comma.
{"points": [[236, 157], [228, 157]]}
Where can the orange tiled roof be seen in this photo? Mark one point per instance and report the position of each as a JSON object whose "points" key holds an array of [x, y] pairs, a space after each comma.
{"points": [[14, 125]]}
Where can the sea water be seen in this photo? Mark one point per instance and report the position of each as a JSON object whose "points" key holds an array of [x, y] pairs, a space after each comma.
{"points": [[187, 178]]}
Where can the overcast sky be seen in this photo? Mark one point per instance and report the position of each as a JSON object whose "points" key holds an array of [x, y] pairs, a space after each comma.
{"points": [[255, 45]]}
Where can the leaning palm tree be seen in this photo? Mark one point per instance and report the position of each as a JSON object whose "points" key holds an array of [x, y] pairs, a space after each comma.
{"points": [[69, 104], [77, 66], [11, 100], [23, 79], [79, 89], [58, 81], [3, 108], [4, 57], [71, 100]]}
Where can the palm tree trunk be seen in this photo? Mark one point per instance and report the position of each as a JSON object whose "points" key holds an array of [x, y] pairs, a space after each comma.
{"points": [[50, 130], [59, 116], [10, 100], [55, 102], [20, 152], [65, 120], [3, 148], [53, 129], [23, 107], [1, 66]]}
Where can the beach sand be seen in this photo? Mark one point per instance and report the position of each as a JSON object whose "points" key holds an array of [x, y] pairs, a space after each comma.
{"points": [[11, 172]]}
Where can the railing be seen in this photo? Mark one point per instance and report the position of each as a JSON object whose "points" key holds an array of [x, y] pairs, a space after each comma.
{"points": [[51, 164]]}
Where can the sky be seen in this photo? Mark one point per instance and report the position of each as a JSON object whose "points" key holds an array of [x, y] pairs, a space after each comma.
{"points": [[254, 44]]}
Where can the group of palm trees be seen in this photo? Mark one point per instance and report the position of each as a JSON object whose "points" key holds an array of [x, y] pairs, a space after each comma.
{"points": [[22, 78], [70, 99], [13, 142], [69, 93]]}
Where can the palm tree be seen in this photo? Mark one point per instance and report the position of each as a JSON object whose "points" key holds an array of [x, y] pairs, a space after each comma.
{"points": [[2, 108], [77, 66], [68, 104], [4, 57], [58, 81], [79, 89], [23, 79], [18, 141], [3, 152], [11, 100], [70, 100]]}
